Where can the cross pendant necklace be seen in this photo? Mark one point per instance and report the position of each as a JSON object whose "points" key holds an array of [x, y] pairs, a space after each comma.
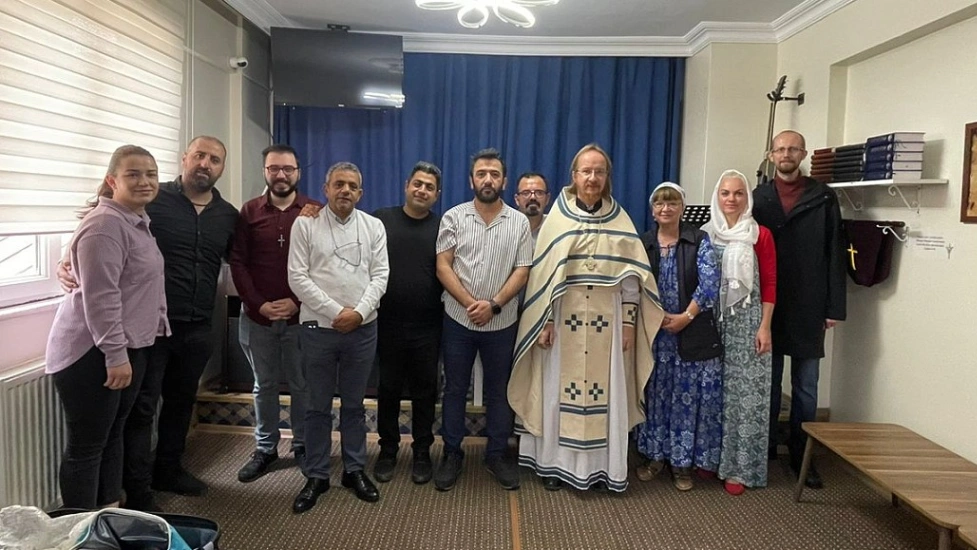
{"points": [[281, 241]]}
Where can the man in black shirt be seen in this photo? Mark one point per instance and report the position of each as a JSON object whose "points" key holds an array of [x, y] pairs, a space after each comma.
{"points": [[410, 320], [193, 227]]}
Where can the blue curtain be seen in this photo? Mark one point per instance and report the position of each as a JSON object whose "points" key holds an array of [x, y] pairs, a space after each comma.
{"points": [[538, 111]]}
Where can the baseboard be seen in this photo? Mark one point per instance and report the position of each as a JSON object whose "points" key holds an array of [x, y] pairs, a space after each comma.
{"points": [[234, 413]]}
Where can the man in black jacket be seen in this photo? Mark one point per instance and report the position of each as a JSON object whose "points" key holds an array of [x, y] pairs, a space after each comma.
{"points": [[805, 220]]}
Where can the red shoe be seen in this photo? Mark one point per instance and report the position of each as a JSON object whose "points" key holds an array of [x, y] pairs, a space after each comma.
{"points": [[733, 488], [705, 474]]}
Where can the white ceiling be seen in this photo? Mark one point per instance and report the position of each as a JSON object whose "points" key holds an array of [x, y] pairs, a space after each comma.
{"points": [[572, 27]]}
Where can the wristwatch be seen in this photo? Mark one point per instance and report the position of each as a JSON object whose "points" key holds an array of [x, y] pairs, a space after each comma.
{"points": [[496, 308]]}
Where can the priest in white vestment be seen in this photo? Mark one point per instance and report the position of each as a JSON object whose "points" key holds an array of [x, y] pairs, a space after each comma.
{"points": [[583, 351]]}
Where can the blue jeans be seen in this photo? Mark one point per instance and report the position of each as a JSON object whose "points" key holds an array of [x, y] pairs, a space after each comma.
{"points": [[271, 351], [332, 359], [804, 374], [459, 346]]}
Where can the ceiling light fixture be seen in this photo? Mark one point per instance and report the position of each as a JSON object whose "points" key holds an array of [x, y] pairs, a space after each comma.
{"points": [[475, 13]]}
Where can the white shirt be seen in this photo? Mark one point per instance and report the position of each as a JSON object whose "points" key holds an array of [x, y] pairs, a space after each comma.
{"points": [[485, 255], [332, 265]]}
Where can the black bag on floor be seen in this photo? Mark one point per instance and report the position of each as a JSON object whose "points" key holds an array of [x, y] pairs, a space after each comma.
{"points": [[122, 530]]}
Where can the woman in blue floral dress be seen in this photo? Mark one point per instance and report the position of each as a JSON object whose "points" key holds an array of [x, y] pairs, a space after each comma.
{"points": [[684, 395], [748, 260]]}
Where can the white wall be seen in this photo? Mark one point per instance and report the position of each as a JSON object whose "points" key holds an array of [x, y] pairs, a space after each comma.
{"points": [[725, 113], [873, 67], [904, 355], [695, 123]]}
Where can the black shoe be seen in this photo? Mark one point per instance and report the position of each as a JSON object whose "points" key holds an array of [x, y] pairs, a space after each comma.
{"points": [[143, 502], [422, 469], [552, 483], [448, 472], [257, 466], [309, 494], [383, 470], [600, 487], [506, 473], [361, 485], [813, 479], [179, 481]]}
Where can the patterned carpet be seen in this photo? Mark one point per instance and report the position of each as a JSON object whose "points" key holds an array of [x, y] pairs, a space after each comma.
{"points": [[478, 514]]}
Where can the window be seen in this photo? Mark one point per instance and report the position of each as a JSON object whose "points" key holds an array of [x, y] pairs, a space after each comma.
{"points": [[27, 271], [77, 80]]}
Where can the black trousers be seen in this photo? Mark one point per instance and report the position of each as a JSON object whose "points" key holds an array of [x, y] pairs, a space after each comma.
{"points": [[91, 467], [175, 366], [408, 357]]}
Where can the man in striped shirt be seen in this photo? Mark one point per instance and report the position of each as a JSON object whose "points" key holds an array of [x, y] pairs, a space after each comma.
{"points": [[484, 253]]}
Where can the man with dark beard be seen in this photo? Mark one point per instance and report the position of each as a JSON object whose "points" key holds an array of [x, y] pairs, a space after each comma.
{"points": [[532, 198], [193, 227], [268, 331], [484, 253]]}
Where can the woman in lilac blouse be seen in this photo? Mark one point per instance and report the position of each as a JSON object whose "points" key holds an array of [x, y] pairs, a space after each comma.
{"points": [[98, 347]]}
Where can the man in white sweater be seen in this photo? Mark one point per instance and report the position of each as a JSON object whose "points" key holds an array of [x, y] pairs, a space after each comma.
{"points": [[337, 267]]}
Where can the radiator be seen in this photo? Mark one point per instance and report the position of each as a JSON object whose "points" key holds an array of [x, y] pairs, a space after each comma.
{"points": [[32, 438]]}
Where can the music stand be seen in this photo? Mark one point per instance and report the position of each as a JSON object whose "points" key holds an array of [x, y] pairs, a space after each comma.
{"points": [[696, 214]]}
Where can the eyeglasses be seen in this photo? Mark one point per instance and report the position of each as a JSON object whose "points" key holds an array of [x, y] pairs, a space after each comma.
{"points": [[287, 170], [533, 193], [667, 205], [344, 252], [598, 173], [791, 150]]}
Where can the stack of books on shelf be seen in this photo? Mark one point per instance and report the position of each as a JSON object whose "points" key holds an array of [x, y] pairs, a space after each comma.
{"points": [[842, 163], [821, 164], [895, 156]]}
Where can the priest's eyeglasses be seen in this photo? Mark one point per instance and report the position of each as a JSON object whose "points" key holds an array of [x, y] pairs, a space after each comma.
{"points": [[533, 193], [597, 173]]}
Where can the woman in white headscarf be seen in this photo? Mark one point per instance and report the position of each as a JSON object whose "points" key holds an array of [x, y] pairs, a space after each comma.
{"points": [[748, 290]]}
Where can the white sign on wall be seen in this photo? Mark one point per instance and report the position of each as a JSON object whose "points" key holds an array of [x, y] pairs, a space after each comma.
{"points": [[931, 247]]}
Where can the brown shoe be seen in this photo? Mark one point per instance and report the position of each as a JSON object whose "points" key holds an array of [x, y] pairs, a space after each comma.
{"points": [[682, 478], [649, 470]]}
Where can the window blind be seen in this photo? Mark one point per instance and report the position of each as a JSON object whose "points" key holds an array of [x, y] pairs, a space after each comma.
{"points": [[78, 78]]}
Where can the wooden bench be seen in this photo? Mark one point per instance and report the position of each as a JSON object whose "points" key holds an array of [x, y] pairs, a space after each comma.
{"points": [[968, 534], [940, 485]]}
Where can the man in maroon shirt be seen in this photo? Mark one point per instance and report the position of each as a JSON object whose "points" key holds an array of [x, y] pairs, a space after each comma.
{"points": [[269, 324]]}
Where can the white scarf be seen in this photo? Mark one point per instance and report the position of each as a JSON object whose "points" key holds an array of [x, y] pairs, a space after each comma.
{"points": [[739, 257]]}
